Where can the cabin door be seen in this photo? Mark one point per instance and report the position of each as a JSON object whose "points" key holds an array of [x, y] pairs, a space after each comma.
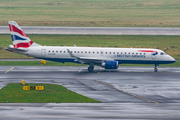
{"points": [[153, 57], [43, 52]]}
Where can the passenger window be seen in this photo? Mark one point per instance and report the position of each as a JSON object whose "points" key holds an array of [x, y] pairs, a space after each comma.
{"points": [[117, 52], [109, 52], [64, 51], [133, 53], [162, 53], [113, 52], [74, 51], [52, 51], [125, 53], [140, 53], [81, 51], [136, 53], [144, 53], [57, 51], [85, 51], [89, 52], [93, 52], [106, 52], [129, 53], [49, 51], [97, 52], [121, 52], [78, 52]]}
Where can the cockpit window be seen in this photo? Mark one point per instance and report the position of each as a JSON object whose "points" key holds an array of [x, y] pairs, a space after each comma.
{"points": [[163, 53]]}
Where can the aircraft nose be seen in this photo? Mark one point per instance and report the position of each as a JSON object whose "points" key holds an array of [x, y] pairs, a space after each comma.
{"points": [[172, 59]]}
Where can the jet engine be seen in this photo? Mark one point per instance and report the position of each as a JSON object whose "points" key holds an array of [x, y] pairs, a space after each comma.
{"points": [[110, 64]]}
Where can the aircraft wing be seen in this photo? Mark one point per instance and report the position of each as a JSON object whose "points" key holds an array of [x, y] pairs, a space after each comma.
{"points": [[92, 60], [89, 59]]}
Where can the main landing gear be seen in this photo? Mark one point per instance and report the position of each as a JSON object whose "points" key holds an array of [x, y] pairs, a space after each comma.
{"points": [[90, 68], [156, 67]]}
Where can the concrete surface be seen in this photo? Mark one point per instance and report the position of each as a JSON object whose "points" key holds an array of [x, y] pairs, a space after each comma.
{"points": [[96, 30], [126, 93]]}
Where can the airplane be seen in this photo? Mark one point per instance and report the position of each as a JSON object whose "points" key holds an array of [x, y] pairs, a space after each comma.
{"points": [[108, 58]]}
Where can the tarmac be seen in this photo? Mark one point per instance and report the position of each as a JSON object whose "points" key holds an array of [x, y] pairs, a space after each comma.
{"points": [[125, 93]]}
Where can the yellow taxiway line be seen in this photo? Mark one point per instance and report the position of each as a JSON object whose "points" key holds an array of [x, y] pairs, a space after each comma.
{"points": [[100, 71], [9, 70], [80, 70]]}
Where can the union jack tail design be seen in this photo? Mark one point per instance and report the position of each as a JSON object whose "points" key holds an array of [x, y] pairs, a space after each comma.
{"points": [[19, 38]]}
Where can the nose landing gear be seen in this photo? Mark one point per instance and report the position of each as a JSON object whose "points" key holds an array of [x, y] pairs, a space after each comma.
{"points": [[156, 67]]}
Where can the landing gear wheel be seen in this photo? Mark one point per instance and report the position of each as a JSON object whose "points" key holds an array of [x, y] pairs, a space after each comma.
{"points": [[90, 68]]}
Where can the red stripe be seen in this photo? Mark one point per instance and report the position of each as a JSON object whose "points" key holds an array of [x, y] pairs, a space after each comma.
{"points": [[147, 51], [24, 45], [15, 29], [10, 27]]}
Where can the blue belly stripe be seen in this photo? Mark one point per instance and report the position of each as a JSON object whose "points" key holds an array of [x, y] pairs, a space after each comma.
{"points": [[119, 61]]}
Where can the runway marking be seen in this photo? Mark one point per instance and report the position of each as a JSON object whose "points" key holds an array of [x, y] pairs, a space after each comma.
{"points": [[80, 70], [9, 70], [129, 93], [100, 71]]}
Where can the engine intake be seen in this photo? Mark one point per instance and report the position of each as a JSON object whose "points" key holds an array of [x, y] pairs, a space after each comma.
{"points": [[110, 64]]}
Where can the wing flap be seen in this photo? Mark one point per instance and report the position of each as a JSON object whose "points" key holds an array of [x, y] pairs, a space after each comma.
{"points": [[94, 59]]}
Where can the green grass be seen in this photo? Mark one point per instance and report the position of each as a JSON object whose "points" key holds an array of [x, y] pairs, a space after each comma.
{"points": [[50, 63], [91, 12], [14, 93], [169, 44]]}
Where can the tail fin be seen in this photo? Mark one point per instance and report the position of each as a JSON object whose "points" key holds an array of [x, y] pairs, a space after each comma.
{"points": [[19, 38]]}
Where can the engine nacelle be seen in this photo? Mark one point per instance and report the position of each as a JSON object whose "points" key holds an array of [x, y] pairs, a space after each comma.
{"points": [[110, 64]]}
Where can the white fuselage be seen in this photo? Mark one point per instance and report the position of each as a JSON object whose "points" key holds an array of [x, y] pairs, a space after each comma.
{"points": [[122, 55]]}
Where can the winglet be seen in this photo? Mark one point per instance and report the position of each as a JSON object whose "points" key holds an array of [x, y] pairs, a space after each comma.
{"points": [[75, 45]]}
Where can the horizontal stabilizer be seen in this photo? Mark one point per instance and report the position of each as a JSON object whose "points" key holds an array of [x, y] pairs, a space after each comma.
{"points": [[11, 49]]}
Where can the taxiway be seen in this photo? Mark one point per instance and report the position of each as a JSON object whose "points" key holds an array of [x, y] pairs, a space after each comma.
{"points": [[129, 92]]}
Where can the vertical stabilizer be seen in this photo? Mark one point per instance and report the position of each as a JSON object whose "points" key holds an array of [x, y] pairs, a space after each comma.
{"points": [[19, 38]]}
